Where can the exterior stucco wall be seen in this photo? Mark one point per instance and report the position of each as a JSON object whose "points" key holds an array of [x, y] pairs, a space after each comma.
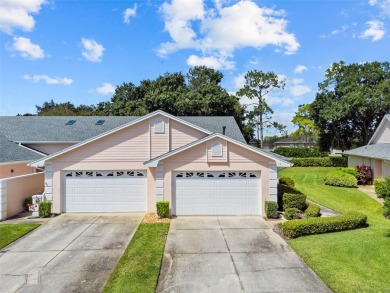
{"points": [[386, 169], [223, 158], [378, 166], [15, 169], [182, 134], [159, 142]]}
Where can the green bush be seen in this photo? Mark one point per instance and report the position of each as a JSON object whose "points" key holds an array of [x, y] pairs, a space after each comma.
{"points": [[287, 181], [294, 200], [292, 213], [320, 162], [340, 179], [312, 210], [297, 152], [351, 171], [382, 187], [45, 209], [271, 209], [297, 228], [386, 207], [27, 202], [282, 189], [162, 208]]}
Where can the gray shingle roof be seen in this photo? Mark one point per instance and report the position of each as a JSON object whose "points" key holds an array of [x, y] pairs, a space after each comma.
{"points": [[12, 152], [375, 151]]}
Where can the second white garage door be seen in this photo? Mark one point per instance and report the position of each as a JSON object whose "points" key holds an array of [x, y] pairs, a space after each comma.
{"points": [[104, 191], [217, 193]]}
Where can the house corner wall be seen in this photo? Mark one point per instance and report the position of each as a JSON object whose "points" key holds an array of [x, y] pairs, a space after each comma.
{"points": [[273, 182], [3, 200], [151, 200], [48, 181], [159, 182]]}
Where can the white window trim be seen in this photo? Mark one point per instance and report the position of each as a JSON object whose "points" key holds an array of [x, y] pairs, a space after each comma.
{"points": [[159, 126], [216, 152]]}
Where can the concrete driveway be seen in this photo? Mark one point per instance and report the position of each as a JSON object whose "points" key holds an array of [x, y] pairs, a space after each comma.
{"points": [[231, 254], [70, 253]]}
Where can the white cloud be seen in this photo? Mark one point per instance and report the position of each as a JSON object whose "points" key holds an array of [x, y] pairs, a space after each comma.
{"points": [[17, 14], [283, 101], [383, 5], [212, 62], [224, 29], [375, 30], [48, 79], [300, 68], [239, 81], [296, 87], [342, 29], [106, 89], [92, 51], [128, 13], [372, 2], [27, 49]]}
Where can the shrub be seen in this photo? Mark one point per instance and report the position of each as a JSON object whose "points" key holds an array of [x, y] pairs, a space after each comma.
{"points": [[352, 171], [162, 208], [291, 200], [297, 228], [292, 213], [320, 162], [297, 152], [340, 179], [271, 209], [45, 209], [287, 181], [386, 207], [282, 189], [27, 202], [382, 187], [365, 174], [312, 211]]}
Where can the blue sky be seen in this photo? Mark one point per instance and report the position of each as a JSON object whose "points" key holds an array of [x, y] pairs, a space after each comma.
{"points": [[79, 51]]}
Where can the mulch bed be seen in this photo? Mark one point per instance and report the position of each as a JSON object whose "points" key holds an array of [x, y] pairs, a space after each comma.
{"points": [[153, 218]]}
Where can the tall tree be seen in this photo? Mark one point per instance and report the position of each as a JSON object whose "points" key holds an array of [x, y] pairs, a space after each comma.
{"points": [[350, 103], [64, 109], [307, 130], [258, 85]]}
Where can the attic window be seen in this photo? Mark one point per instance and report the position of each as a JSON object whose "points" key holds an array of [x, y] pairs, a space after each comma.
{"points": [[70, 122], [216, 149], [159, 126], [100, 122]]}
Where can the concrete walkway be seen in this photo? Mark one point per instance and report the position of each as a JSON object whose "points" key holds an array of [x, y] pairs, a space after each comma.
{"points": [[370, 191], [231, 254], [69, 253]]}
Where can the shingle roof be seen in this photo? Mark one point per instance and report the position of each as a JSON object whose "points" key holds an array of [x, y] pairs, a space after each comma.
{"points": [[12, 152], [375, 151], [289, 140], [53, 128]]}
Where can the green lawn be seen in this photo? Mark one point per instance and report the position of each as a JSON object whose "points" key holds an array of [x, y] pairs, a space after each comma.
{"points": [[139, 267], [350, 261], [10, 232]]}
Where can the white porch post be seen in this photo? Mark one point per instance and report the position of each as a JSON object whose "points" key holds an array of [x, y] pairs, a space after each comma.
{"points": [[273, 182]]}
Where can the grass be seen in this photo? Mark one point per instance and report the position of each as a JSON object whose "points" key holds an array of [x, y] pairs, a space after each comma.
{"points": [[350, 261], [11, 232], [139, 267]]}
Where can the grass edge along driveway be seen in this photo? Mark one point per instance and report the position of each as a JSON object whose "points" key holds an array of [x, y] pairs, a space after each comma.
{"points": [[349, 261], [139, 267], [11, 232]]}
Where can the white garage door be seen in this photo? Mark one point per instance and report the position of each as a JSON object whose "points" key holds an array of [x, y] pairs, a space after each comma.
{"points": [[217, 193], [104, 191]]}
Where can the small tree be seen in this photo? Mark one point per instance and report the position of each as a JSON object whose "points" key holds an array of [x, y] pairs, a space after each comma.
{"points": [[307, 130]]}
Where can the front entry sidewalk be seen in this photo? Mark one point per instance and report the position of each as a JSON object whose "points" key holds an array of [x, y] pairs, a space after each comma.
{"points": [[231, 254]]}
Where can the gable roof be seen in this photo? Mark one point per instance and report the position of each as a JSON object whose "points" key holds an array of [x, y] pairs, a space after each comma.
{"points": [[281, 161], [375, 151], [12, 152], [385, 119]]}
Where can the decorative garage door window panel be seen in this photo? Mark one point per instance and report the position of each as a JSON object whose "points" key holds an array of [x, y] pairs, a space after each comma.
{"points": [[232, 175], [105, 191]]}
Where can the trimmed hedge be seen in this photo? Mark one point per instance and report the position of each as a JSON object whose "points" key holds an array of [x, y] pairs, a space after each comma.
{"points": [[282, 189], [351, 171], [312, 211], [297, 152], [382, 187], [292, 213], [297, 228], [271, 209], [293, 200], [286, 181], [44, 209], [162, 208], [340, 179], [386, 207], [320, 162]]}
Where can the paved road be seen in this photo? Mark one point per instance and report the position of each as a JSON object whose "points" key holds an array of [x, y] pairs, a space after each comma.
{"points": [[231, 254], [70, 253]]}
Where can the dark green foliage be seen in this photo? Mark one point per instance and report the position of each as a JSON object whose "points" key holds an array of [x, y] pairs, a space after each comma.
{"points": [[340, 179], [320, 162], [282, 189], [292, 213], [352, 171], [382, 187], [297, 228], [386, 207], [162, 208], [294, 200], [312, 210], [297, 152], [64, 109], [45, 209], [27, 202], [271, 209], [286, 181]]}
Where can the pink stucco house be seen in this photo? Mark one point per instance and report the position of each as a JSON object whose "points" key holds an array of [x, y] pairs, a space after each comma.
{"points": [[201, 165]]}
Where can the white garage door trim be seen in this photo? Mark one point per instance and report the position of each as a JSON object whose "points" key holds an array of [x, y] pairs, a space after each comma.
{"points": [[217, 193], [104, 191]]}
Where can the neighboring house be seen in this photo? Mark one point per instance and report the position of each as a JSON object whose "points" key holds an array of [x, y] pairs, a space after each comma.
{"points": [[290, 143], [202, 165], [376, 153]]}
